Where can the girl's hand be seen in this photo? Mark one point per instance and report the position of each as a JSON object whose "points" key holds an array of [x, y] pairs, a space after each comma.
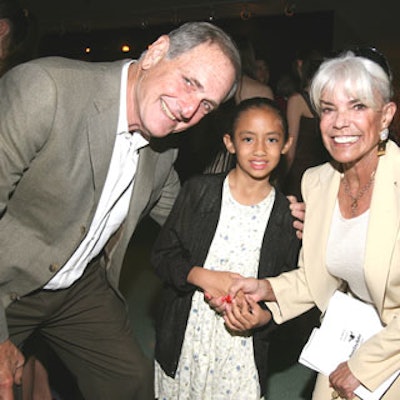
{"points": [[215, 283], [244, 314], [218, 304], [343, 381]]}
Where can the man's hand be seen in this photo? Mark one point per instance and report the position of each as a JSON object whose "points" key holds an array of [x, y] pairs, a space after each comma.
{"points": [[343, 381], [11, 368], [298, 211]]}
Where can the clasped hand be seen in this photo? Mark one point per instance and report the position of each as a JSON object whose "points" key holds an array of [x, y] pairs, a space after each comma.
{"points": [[240, 312]]}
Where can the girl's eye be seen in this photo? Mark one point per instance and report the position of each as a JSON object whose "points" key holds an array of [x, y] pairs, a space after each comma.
{"points": [[272, 140]]}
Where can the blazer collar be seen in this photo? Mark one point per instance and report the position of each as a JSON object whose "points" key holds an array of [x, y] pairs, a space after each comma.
{"points": [[103, 122]]}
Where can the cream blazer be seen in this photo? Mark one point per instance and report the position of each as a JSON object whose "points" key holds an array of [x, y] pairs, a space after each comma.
{"points": [[311, 284]]}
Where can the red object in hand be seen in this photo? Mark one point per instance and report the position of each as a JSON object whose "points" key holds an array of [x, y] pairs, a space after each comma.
{"points": [[227, 299]]}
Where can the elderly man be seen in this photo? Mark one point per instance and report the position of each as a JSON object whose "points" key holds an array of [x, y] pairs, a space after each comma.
{"points": [[78, 171]]}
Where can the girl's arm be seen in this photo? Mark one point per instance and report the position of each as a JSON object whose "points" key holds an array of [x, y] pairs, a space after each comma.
{"points": [[215, 283], [183, 243]]}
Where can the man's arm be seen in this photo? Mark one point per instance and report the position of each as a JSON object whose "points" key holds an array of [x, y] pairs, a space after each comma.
{"points": [[26, 103]]}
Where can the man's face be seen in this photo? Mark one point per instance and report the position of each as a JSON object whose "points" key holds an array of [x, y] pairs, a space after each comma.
{"points": [[171, 95]]}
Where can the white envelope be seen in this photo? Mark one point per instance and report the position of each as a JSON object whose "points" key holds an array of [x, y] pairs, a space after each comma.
{"points": [[347, 324]]}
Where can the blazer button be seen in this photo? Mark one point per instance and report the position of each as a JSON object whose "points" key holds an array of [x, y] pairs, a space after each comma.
{"points": [[14, 296], [54, 267]]}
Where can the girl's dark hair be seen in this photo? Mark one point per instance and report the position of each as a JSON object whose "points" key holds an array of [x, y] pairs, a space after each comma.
{"points": [[258, 102]]}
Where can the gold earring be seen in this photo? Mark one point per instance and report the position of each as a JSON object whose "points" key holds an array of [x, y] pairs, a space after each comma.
{"points": [[382, 142], [381, 148]]}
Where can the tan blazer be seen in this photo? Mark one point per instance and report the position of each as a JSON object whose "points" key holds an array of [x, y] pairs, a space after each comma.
{"points": [[311, 284], [58, 121]]}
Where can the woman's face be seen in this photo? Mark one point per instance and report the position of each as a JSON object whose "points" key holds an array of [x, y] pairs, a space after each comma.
{"points": [[350, 129]]}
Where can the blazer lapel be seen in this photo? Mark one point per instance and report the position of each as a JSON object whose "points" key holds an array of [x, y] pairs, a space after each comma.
{"points": [[143, 185], [101, 145], [383, 225], [318, 221]]}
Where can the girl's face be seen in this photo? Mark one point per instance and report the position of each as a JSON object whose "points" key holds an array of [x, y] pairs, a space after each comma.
{"points": [[258, 142]]}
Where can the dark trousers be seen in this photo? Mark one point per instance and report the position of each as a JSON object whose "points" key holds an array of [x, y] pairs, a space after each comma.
{"points": [[87, 326]]}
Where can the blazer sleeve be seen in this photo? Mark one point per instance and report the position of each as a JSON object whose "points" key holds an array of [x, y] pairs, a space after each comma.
{"points": [[379, 357], [27, 99], [292, 294], [167, 198]]}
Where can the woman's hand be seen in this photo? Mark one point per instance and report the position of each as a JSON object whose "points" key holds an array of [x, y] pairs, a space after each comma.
{"points": [[244, 314], [257, 289], [343, 381]]}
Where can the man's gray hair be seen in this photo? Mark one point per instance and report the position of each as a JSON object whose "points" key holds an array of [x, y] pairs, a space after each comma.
{"points": [[192, 34]]}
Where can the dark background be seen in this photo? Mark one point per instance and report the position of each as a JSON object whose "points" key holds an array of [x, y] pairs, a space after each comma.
{"points": [[277, 27], [275, 38]]}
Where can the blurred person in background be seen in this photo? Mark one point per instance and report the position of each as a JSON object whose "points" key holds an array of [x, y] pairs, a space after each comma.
{"points": [[18, 35]]}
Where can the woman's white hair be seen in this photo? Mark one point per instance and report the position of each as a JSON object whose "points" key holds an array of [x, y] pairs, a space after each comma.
{"points": [[360, 77]]}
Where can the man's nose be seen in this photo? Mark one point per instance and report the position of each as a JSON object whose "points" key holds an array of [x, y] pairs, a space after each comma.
{"points": [[188, 107]]}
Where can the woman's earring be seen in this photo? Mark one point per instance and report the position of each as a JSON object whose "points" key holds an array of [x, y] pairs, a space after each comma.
{"points": [[382, 142]]}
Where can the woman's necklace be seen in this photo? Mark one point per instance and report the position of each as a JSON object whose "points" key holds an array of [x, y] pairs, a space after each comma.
{"points": [[361, 192]]}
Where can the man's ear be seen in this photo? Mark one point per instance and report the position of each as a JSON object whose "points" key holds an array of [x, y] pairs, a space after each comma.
{"points": [[155, 52], [228, 143]]}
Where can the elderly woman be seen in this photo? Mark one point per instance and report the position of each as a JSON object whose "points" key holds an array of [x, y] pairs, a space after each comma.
{"points": [[351, 238]]}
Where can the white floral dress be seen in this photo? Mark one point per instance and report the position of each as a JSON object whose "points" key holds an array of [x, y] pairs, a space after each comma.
{"points": [[214, 363]]}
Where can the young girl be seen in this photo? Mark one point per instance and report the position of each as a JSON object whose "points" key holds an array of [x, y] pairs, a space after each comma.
{"points": [[223, 226]]}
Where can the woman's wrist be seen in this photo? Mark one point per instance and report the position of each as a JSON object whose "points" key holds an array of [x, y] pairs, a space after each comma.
{"points": [[267, 291]]}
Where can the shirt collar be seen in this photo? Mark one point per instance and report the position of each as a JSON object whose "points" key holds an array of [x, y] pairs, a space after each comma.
{"points": [[122, 127]]}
